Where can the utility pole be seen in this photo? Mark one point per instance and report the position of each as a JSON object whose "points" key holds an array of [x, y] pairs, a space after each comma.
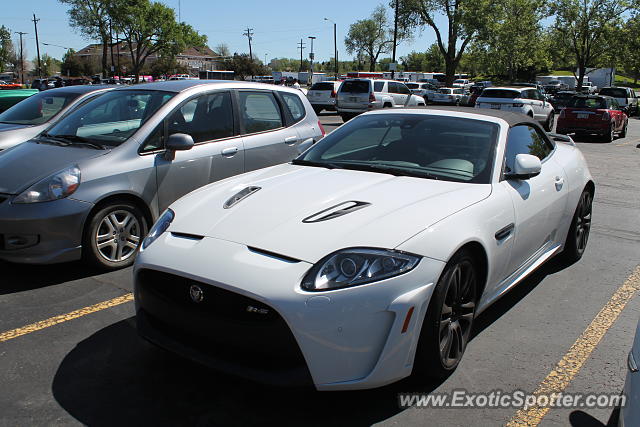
{"points": [[21, 33], [249, 35], [118, 52], [395, 39], [301, 46], [113, 68], [35, 24], [312, 38]]}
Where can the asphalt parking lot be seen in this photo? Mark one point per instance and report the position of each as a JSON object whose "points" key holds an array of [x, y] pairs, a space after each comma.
{"points": [[84, 364]]}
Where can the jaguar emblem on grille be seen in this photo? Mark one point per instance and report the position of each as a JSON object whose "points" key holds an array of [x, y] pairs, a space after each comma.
{"points": [[196, 294]]}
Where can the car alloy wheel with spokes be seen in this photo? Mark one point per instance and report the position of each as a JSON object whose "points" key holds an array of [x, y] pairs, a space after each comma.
{"points": [[118, 236], [113, 235], [449, 321], [578, 235]]}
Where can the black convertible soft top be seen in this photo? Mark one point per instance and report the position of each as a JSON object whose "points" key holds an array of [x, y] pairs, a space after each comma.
{"points": [[511, 118]]}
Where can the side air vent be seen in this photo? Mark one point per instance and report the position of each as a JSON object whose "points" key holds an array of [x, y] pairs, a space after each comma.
{"points": [[239, 196], [336, 211]]}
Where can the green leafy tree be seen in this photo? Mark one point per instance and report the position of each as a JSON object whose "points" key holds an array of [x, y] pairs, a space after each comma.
{"points": [[91, 18], [71, 65], [430, 61], [150, 28], [586, 28], [630, 33], [372, 37], [244, 66], [7, 53], [466, 20], [50, 65]]}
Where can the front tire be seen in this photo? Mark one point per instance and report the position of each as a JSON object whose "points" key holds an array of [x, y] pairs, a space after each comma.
{"points": [[578, 235], [447, 325], [113, 236]]}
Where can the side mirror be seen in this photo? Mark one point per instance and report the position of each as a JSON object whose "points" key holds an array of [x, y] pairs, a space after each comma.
{"points": [[526, 166], [177, 142]]}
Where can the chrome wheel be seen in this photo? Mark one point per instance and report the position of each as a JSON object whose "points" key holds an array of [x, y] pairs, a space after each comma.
{"points": [[583, 222], [456, 315], [118, 235]]}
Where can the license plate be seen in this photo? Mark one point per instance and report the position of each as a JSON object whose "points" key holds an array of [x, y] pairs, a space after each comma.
{"points": [[496, 106], [583, 116]]}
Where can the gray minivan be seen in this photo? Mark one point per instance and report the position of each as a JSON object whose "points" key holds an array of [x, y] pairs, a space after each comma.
{"points": [[31, 116], [94, 182]]}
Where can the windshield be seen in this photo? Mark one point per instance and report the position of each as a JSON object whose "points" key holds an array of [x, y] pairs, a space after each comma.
{"points": [[419, 145], [554, 82], [614, 92], [579, 102], [355, 86], [459, 81], [322, 86], [38, 109], [112, 118]]}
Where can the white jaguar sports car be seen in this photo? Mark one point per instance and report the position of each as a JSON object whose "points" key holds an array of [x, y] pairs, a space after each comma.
{"points": [[369, 256]]}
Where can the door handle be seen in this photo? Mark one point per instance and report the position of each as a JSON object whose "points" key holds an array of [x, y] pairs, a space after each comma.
{"points": [[229, 152], [559, 182], [291, 140]]}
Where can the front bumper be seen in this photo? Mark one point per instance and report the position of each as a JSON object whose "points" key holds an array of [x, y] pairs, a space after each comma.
{"points": [[42, 233], [347, 339]]}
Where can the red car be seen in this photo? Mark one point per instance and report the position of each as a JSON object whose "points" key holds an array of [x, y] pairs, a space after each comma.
{"points": [[593, 114]]}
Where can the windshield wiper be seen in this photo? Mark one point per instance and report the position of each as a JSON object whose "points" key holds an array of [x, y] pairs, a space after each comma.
{"points": [[74, 140], [302, 162], [391, 170]]}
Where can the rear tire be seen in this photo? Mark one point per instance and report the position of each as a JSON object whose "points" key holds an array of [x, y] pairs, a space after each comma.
{"points": [[623, 132], [113, 236], [610, 135], [578, 235], [449, 319], [317, 109], [548, 126]]}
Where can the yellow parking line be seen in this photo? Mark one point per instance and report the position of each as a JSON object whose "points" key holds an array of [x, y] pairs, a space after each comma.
{"points": [[569, 366], [628, 142], [14, 333]]}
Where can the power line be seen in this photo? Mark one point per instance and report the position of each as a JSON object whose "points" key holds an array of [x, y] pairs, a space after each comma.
{"points": [[35, 25]]}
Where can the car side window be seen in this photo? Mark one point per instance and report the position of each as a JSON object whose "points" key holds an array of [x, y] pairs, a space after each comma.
{"points": [[205, 118], [393, 87], [403, 89], [295, 105], [379, 87], [260, 111], [155, 141], [525, 139]]}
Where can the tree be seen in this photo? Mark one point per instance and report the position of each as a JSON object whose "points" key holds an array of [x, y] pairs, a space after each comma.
{"points": [[222, 49], [631, 47], [466, 20], [7, 53], [150, 28], [586, 27], [50, 65], [244, 66], [372, 37], [91, 18], [71, 65], [431, 60]]}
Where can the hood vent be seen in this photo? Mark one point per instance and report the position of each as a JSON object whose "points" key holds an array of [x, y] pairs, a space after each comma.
{"points": [[336, 211], [239, 196]]}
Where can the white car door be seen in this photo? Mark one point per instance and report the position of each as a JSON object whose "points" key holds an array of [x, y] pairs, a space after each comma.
{"points": [[539, 202], [538, 111]]}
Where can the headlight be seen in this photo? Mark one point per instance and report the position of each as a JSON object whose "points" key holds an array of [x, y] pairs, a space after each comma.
{"points": [[56, 186], [158, 228], [357, 266]]}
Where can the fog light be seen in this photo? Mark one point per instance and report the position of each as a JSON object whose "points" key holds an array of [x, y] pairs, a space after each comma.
{"points": [[20, 241], [631, 362]]}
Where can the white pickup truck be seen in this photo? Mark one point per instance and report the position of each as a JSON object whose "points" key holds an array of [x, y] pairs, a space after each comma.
{"points": [[589, 88]]}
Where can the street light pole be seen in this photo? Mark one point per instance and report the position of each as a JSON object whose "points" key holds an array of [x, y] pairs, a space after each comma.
{"points": [[335, 46], [21, 33], [312, 38]]}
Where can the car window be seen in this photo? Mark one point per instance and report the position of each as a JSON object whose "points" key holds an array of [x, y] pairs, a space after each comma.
{"points": [[525, 139], [259, 111], [581, 102], [355, 86], [614, 92], [205, 118], [38, 108], [155, 141], [379, 87], [614, 103], [392, 87], [322, 86], [413, 86], [403, 89], [457, 91], [500, 93], [295, 105]]}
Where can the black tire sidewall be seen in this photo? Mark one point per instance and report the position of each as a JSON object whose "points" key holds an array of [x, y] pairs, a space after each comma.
{"points": [[90, 252], [570, 253]]}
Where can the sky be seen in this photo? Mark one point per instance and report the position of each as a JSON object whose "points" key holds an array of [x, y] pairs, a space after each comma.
{"points": [[277, 26]]}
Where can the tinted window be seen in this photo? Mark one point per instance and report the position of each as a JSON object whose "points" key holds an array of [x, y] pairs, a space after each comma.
{"points": [[525, 139], [295, 105], [392, 87], [260, 111], [498, 93], [155, 141], [378, 86], [355, 86], [448, 148], [322, 86], [580, 102], [112, 118], [205, 118], [413, 85], [403, 89], [614, 92], [38, 108]]}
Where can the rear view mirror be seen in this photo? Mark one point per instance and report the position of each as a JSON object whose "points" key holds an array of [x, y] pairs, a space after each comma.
{"points": [[526, 166], [177, 142]]}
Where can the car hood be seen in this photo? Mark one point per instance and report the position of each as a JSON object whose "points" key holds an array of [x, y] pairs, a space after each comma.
{"points": [[307, 212], [14, 134], [27, 163], [11, 126]]}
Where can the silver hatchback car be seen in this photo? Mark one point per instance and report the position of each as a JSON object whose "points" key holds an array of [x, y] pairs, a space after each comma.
{"points": [[94, 182]]}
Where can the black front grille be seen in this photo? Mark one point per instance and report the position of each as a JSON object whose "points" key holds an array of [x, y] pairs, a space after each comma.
{"points": [[224, 325]]}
